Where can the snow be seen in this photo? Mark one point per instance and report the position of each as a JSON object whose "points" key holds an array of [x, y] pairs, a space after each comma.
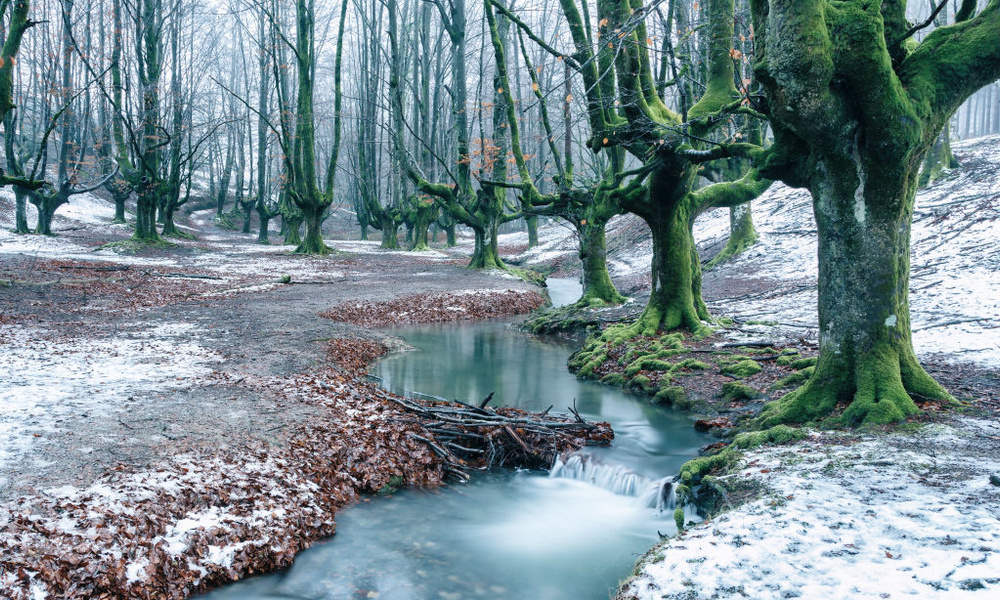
{"points": [[176, 538], [873, 519], [52, 382]]}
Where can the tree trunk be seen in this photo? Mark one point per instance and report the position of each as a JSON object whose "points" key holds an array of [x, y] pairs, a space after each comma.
{"points": [[423, 217], [45, 213], [21, 211], [169, 227], [313, 242], [866, 352], [390, 238], [597, 285], [939, 158], [486, 255], [265, 220], [675, 266], [247, 214], [532, 224], [292, 225], [120, 192], [742, 234], [449, 234]]}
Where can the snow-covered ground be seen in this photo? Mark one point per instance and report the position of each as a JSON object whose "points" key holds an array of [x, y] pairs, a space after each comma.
{"points": [[955, 267], [53, 383], [911, 515]]}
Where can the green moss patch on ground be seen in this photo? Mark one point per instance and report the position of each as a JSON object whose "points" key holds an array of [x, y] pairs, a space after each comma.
{"points": [[702, 374]]}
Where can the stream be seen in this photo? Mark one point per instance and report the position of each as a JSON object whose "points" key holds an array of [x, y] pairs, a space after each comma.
{"points": [[571, 534]]}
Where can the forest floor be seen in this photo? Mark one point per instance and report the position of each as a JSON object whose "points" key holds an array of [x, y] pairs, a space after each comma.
{"points": [[166, 413], [147, 395]]}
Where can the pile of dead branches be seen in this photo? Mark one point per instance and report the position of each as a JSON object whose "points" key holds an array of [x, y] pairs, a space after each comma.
{"points": [[471, 437]]}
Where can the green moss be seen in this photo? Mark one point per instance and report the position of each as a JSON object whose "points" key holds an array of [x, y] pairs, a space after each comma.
{"points": [[765, 323], [673, 395], [693, 470], [794, 379], [392, 486], [642, 383], [803, 363], [648, 364], [616, 379], [779, 434], [132, 245], [787, 359], [679, 519], [735, 390], [742, 369], [527, 275], [690, 363]]}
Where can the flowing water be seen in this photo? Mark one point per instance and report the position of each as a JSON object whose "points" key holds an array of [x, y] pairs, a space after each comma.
{"points": [[570, 534]]}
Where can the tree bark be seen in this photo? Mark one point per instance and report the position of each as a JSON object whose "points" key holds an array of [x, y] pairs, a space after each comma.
{"points": [[866, 351], [597, 285]]}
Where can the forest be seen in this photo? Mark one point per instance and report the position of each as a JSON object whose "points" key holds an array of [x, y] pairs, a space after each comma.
{"points": [[351, 293]]}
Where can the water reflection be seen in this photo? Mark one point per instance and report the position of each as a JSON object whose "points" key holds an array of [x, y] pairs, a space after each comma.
{"points": [[503, 535]]}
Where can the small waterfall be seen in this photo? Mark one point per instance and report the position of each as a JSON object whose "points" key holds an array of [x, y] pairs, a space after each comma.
{"points": [[660, 494]]}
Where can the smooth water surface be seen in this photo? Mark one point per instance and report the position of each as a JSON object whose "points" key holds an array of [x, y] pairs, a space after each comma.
{"points": [[522, 534]]}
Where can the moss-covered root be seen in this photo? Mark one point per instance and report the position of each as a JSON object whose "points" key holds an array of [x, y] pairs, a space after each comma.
{"points": [[694, 470], [880, 387]]}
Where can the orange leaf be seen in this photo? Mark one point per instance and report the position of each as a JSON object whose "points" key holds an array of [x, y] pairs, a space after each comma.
{"points": [[603, 22], [605, 141]]}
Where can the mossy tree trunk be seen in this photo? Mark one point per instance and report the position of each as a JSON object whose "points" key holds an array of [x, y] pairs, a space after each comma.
{"points": [[21, 210], [424, 211], [854, 127], [531, 222], [148, 69], [672, 301], [390, 231], [449, 234], [866, 352], [939, 158], [121, 191], [597, 285]]}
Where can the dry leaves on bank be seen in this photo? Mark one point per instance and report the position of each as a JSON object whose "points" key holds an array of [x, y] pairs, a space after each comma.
{"points": [[195, 521], [474, 305]]}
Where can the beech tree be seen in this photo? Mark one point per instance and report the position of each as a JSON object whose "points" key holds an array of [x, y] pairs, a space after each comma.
{"points": [[617, 72], [587, 207], [481, 210], [855, 104]]}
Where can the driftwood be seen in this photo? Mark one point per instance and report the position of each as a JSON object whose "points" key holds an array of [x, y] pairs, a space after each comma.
{"points": [[469, 437]]}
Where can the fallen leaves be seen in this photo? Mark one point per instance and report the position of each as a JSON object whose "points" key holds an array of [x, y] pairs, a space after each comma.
{"points": [[198, 520], [437, 308]]}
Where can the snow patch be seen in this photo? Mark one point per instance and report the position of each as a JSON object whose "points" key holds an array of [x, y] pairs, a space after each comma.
{"points": [[895, 516]]}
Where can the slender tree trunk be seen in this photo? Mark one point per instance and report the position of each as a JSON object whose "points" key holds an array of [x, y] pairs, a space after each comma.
{"points": [[531, 223], [742, 234], [21, 210]]}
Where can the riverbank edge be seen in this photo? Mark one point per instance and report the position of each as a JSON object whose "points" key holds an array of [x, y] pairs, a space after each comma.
{"points": [[746, 550], [80, 542]]}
